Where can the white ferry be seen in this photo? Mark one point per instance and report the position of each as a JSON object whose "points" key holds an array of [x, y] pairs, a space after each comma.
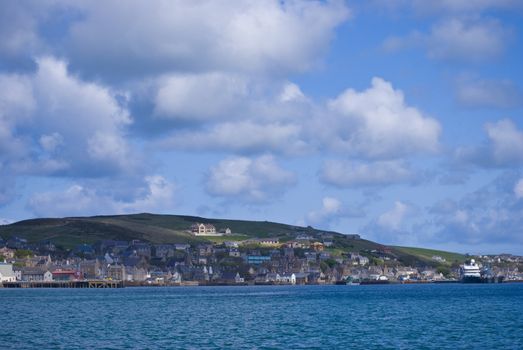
{"points": [[470, 272]]}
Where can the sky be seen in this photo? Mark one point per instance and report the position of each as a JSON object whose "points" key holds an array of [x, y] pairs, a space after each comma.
{"points": [[398, 120]]}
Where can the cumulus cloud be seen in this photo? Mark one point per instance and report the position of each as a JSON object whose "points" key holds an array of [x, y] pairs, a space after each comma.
{"points": [[504, 147], [464, 6], [200, 97], [518, 189], [506, 140], [491, 214], [140, 38], [51, 142], [377, 123], [456, 38], [488, 93], [7, 187], [291, 92], [357, 174], [16, 106], [157, 195], [19, 39], [332, 209], [393, 226], [244, 137], [248, 180], [449, 7], [393, 219], [79, 126], [4, 221], [463, 39]]}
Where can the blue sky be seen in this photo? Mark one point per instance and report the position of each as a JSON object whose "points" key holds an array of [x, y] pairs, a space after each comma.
{"points": [[398, 120]]}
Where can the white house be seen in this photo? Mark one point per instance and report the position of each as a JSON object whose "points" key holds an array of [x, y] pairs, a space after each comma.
{"points": [[288, 278], [6, 273], [33, 274], [199, 229]]}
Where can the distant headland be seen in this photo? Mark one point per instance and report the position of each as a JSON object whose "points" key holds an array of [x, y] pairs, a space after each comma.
{"points": [[149, 249]]}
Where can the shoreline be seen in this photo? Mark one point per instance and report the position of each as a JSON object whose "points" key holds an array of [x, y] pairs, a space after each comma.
{"points": [[104, 284]]}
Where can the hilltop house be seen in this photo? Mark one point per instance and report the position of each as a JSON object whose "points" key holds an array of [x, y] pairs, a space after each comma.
{"points": [[226, 231], [199, 229]]}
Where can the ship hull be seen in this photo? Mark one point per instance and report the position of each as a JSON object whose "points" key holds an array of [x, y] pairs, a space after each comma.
{"points": [[471, 279]]}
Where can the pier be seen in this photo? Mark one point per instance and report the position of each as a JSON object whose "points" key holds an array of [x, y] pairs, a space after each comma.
{"points": [[64, 284]]}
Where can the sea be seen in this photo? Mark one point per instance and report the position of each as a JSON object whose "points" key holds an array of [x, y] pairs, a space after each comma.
{"points": [[428, 316]]}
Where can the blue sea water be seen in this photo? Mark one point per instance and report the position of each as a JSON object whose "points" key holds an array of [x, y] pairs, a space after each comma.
{"points": [[265, 317]]}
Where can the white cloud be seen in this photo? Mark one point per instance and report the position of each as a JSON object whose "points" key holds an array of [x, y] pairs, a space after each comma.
{"points": [[157, 195], [503, 149], [171, 35], [16, 101], [4, 221], [200, 97], [51, 142], [518, 189], [16, 106], [506, 141], [248, 180], [18, 22], [489, 215], [7, 187], [355, 174], [243, 137], [77, 124], [448, 7], [463, 6], [393, 219], [378, 123], [470, 39], [109, 149], [488, 93], [291, 92], [331, 208]]}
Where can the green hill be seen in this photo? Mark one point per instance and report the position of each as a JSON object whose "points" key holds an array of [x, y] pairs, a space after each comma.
{"points": [[428, 254], [69, 232], [147, 227]]}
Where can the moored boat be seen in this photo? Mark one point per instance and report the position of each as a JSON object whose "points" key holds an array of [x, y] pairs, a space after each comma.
{"points": [[470, 272]]}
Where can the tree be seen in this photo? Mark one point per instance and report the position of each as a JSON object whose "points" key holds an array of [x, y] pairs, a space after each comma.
{"points": [[444, 270], [23, 253]]}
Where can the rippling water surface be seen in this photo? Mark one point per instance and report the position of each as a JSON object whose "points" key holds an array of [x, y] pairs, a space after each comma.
{"points": [[292, 317]]}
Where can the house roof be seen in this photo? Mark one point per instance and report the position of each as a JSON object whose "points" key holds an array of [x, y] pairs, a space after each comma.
{"points": [[6, 270]]}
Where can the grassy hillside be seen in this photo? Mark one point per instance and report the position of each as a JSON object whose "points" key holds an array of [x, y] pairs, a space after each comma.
{"points": [[147, 227], [427, 254], [69, 232]]}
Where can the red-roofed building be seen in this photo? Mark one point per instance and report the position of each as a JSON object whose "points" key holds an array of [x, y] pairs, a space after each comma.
{"points": [[65, 275]]}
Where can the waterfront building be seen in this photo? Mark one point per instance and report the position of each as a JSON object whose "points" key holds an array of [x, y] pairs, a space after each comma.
{"points": [[116, 272], [90, 269], [65, 275], [6, 273], [38, 274]]}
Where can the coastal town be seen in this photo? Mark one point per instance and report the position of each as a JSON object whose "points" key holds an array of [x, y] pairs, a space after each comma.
{"points": [[307, 258]]}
